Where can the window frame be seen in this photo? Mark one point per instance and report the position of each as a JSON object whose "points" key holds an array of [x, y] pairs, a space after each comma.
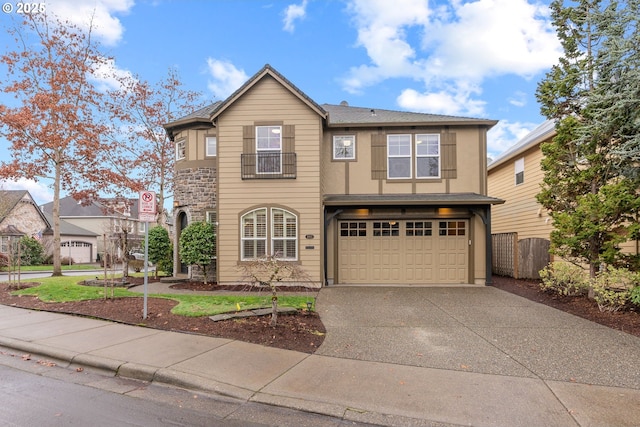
{"points": [[336, 139], [518, 169], [207, 153], [181, 149], [271, 237], [269, 150], [418, 142], [255, 237], [284, 238], [400, 156]]}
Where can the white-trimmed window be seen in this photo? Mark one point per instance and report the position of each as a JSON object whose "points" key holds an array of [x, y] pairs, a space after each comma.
{"points": [[427, 156], [141, 227], [281, 232], [399, 156], [254, 234], [344, 147], [269, 149], [4, 244], [181, 149], [211, 146], [519, 171], [284, 234]]}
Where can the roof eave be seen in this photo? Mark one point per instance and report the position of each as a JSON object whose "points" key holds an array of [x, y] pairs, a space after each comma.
{"points": [[488, 123]]}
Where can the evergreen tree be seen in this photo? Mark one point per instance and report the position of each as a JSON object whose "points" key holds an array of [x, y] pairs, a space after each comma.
{"points": [[160, 250], [197, 245], [590, 198]]}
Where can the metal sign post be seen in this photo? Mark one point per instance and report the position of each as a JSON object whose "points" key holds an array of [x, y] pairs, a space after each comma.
{"points": [[146, 214]]}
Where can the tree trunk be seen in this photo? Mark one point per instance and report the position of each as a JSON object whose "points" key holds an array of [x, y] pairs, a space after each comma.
{"points": [[274, 310], [57, 265]]}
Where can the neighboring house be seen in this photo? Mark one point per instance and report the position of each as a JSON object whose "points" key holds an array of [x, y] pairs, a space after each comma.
{"points": [[19, 216], [77, 244], [521, 226], [105, 218], [516, 176], [352, 195]]}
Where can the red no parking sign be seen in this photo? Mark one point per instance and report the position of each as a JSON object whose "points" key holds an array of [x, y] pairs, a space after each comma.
{"points": [[147, 206]]}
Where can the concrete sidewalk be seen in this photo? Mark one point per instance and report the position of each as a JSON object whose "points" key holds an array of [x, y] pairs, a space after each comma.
{"points": [[472, 356]]}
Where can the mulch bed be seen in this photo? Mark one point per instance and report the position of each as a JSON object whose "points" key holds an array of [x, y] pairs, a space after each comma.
{"points": [[626, 321], [300, 331]]}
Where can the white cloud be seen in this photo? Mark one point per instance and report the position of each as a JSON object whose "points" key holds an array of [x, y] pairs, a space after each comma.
{"points": [[292, 13], [226, 78], [41, 193], [381, 26], [463, 43], [518, 99], [505, 134], [99, 14], [108, 76]]}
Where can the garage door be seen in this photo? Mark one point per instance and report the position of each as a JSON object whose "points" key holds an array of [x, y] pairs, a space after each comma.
{"points": [[403, 252], [80, 252]]}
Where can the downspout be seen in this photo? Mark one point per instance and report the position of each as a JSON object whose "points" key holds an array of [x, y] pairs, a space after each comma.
{"points": [[327, 221]]}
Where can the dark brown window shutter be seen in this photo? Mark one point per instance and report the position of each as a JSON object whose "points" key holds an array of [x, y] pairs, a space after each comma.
{"points": [[288, 138], [449, 155], [378, 156], [249, 146]]}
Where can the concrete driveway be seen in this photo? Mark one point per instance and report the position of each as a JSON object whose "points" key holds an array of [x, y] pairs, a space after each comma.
{"points": [[474, 329]]}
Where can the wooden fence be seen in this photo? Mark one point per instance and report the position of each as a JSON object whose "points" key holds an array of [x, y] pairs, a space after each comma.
{"points": [[522, 259]]}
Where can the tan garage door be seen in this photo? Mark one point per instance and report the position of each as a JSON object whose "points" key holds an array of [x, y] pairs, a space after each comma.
{"points": [[403, 252]]}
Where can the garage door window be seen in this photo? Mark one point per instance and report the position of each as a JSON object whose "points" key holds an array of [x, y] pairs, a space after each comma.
{"points": [[353, 229], [386, 228], [419, 228], [451, 228]]}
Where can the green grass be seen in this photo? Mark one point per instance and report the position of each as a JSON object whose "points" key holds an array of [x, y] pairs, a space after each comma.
{"points": [[65, 289], [64, 267]]}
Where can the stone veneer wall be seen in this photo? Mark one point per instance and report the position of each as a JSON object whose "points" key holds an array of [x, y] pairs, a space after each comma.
{"points": [[195, 193]]}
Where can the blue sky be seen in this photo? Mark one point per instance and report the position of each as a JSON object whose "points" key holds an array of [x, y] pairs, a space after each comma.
{"points": [[473, 58]]}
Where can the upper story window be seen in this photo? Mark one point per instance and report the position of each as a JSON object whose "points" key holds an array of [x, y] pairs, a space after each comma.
{"points": [[519, 171], [181, 149], [398, 156], [211, 146], [344, 147], [427, 156], [405, 151], [269, 149]]}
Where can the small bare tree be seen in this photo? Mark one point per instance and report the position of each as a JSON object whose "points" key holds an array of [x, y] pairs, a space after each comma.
{"points": [[270, 272]]}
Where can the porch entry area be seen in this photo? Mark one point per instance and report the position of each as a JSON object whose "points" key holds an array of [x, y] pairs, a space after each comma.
{"points": [[408, 251]]}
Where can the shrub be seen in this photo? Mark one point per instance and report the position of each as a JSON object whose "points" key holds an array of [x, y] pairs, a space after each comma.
{"points": [[4, 262], [31, 251], [564, 279], [613, 287], [66, 261], [136, 265], [635, 296]]}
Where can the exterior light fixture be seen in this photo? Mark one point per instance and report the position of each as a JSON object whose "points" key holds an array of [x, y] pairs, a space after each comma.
{"points": [[309, 304]]}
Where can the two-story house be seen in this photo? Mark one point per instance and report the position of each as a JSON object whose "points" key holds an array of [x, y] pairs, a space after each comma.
{"points": [[109, 219], [353, 195]]}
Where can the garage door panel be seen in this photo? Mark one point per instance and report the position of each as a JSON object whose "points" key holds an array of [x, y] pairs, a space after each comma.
{"points": [[408, 251]]}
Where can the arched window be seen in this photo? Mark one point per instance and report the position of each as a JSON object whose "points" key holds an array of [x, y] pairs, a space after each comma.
{"points": [[281, 232], [284, 234]]}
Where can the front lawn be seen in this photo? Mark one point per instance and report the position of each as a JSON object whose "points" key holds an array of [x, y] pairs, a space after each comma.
{"points": [[66, 289]]}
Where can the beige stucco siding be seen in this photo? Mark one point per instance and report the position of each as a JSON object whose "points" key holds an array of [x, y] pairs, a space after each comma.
{"points": [[269, 102], [521, 212]]}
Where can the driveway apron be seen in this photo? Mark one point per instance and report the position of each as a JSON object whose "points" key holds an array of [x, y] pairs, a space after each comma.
{"points": [[474, 329]]}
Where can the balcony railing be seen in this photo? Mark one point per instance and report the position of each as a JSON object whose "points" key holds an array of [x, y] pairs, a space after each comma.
{"points": [[268, 165]]}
